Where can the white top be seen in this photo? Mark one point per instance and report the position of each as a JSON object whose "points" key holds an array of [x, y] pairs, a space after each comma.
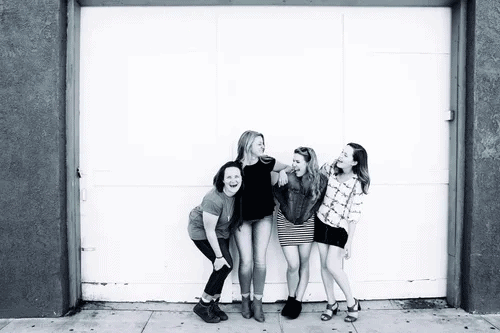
{"points": [[343, 201]]}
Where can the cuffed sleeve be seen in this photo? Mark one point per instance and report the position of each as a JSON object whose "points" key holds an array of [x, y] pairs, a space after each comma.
{"points": [[356, 206]]}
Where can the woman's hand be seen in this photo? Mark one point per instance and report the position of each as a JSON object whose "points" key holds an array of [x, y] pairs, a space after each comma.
{"points": [[347, 250], [220, 262], [283, 178]]}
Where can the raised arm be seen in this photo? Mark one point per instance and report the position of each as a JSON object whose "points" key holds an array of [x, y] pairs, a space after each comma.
{"points": [[282, 169]]}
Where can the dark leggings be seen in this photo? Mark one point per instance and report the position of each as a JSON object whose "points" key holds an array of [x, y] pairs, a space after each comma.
{"points": [[217, 278]]}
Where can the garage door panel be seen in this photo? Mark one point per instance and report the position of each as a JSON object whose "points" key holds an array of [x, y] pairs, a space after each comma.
{"points": [[401, 235], [400, 30], [407, 111], [140, 236], [278, 32]]}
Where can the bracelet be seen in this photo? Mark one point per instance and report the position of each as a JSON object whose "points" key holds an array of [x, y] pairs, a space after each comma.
{"points": [[219, 257]]}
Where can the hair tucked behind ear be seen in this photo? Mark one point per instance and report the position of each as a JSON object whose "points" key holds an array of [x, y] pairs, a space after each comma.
{"points": [[361, 168]]}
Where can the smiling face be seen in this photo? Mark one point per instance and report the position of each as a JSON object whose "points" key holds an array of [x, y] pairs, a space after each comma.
{"points": [[299, 165], [345, 160], [257, 148], [232, 181]]}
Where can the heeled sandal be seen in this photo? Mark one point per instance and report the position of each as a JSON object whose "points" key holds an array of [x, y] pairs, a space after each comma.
{"points": [[352, 312], [330, 311]]}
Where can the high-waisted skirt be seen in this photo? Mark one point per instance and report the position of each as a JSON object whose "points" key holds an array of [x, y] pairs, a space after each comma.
{"points": [[324, 233], [290, 234]]}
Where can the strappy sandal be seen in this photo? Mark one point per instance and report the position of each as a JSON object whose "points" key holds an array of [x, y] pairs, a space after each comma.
{"points": [[352, 312], [330, 311]]}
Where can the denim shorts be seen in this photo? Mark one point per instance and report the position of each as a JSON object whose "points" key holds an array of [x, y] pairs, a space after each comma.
{"points": [[268, 217]]}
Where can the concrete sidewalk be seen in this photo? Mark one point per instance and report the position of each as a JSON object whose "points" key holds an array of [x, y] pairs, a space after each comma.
{"points": [[420, 315]]}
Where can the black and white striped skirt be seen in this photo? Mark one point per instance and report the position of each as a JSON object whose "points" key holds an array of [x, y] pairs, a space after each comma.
{"points": [[290, 234]]}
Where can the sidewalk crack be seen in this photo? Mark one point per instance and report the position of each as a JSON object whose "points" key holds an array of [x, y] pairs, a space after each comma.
{"points": [[147, 322], [282, 330], [489, 322]]}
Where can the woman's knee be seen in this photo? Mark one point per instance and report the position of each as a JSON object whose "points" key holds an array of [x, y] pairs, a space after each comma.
{"points": [[226, 270], [293, 267], [334, 268]]}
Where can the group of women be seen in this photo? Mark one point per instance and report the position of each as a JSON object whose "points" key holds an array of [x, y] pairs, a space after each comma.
{"points": [[316, 205]]}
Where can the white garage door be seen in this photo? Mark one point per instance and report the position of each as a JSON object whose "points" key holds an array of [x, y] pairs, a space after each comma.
{"points": [[167, 91]]}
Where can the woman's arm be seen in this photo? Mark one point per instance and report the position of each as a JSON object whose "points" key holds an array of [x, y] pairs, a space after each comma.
{"points": [[354, 217], [282, 169], [209, 223], [278, 166], [350, 235]]}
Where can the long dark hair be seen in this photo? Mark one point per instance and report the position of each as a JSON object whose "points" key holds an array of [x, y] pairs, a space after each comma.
{"points": [[359, 155], [219, 185]]}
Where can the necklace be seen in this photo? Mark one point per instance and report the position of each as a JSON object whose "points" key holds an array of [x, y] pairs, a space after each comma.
{"points": [[230, 206]]}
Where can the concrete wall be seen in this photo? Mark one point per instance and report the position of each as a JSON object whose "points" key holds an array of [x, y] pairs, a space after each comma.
{"points": [[481, 256], [33, 246]]}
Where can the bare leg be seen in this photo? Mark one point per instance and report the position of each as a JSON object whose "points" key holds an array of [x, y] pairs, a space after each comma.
{"points": [[261, 235], [243, 239], [304, 253], [334, 265], [326, 276], [292, 273]]}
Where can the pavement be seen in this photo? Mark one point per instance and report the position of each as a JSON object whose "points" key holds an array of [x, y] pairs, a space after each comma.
{"points": [[401, 316]]}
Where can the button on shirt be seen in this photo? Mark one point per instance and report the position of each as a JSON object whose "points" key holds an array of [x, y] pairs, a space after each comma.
{"points": [[343, 201]]}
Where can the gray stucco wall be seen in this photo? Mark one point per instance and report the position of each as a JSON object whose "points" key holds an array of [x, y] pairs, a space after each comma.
{"points": [[33, 246], [481, 256]]}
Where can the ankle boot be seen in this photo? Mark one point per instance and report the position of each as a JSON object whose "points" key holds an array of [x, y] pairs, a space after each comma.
{"points": [[217, 311], [246, 312], [205, 312], [285, 312], [295, 310], [258, 313]]}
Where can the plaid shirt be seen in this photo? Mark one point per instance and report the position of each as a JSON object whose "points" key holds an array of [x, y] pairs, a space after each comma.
{"points": [[343, 201]]}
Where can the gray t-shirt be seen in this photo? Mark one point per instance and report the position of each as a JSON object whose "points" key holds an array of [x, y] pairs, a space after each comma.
{"points": [[218, 204]]}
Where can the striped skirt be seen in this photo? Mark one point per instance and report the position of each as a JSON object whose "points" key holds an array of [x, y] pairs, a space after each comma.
{"points": [[290, 234]]}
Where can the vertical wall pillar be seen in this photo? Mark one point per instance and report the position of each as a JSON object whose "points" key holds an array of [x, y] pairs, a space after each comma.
{"points": [[481, 252], [33, 236]]}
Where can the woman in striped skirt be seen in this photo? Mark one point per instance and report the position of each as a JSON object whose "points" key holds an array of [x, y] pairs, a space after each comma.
{"points": [[298, 202]]}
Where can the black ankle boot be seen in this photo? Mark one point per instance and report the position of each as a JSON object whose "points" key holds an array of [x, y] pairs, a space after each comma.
{"points": [[286, 309], [205, 312], [295, 309], [217, 311]]}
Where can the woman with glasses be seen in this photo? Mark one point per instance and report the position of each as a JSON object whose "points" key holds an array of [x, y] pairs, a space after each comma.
{"points": [[298, 202]]}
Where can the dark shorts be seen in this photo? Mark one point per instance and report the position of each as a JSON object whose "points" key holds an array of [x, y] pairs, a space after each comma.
{"points": [[323, 233]]}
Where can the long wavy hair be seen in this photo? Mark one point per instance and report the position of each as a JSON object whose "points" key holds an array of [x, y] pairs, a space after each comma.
{"points": [[312, 169], [359, 155], [245, 146], [219, 185]]}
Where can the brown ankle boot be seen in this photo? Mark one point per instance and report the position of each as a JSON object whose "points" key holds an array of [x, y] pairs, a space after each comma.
{"points": [[246, 312], [258, 313]]}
